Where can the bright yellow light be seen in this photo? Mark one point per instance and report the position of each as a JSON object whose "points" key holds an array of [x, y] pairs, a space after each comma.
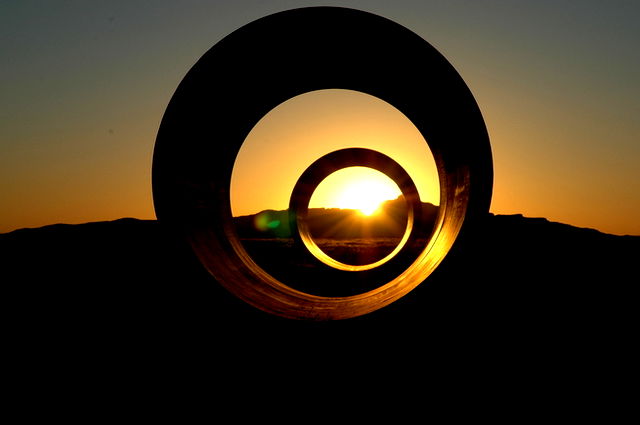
{"points": [[357, 188], [365, 196]]}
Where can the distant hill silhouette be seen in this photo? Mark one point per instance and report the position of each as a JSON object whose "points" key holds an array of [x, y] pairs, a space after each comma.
{"points": [[388, 222], [525, 288], [344, 234]]}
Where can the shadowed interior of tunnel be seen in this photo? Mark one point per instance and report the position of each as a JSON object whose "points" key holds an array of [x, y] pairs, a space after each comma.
{"points": [[203, 146]]}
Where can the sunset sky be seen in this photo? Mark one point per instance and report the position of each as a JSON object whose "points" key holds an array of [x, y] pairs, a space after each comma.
{"points": [[84, 85], [296, 133]]}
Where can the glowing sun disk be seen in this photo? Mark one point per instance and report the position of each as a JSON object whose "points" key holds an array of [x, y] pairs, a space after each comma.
{"points": [[358, 188], [365, 196]]}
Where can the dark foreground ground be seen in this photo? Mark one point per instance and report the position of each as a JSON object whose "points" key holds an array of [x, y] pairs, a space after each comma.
{"points": [[525, 299]]}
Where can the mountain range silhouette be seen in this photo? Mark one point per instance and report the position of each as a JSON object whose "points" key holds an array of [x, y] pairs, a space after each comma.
{"points": [[388, 222], [545, 292]]}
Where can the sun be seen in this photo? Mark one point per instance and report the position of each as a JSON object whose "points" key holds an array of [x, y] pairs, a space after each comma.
{"points": [[365, 196], [358, 188]]}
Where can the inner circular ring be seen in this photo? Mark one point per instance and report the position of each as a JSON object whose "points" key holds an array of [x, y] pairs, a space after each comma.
{"points": [[330, 163]]}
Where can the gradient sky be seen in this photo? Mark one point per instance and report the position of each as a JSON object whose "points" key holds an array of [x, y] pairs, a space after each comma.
{"points": [[297, 132], [84, 84]]}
